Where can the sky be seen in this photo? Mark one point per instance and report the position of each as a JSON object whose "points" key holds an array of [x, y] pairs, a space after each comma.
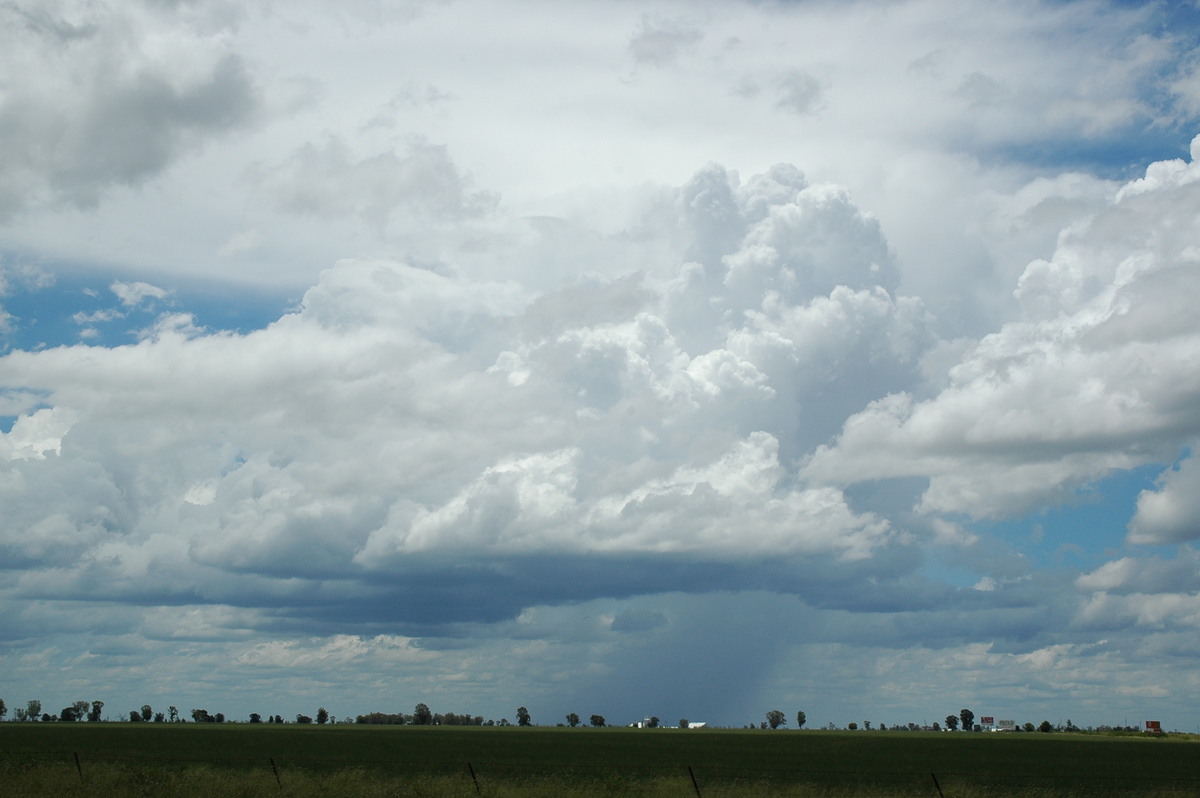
{"points": [[686, 359]]}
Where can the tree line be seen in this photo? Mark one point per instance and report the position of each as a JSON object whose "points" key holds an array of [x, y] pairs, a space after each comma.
{"points": [[421, 715]]}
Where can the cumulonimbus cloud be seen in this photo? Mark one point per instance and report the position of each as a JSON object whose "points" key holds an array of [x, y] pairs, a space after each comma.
{"points": [[402, 416]]}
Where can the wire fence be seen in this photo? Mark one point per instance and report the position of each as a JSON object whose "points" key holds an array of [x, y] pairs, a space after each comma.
{"points": [[693, 780]]}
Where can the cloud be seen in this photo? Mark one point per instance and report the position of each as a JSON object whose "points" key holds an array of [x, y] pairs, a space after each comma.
{"points": [[403, 425], [133, 294], [555, 407], [328, 180], [799, 92], [1170, 514], [1076, 389], [99, 109], [659, 40]]}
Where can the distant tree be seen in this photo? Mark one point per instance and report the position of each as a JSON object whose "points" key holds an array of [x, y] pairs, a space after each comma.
{"points": [[936, 727], [147, 712], [683, 723], [68, 715], [3, 709], [422, 716], [951, 722], [523, 718], [159, 717], [94, 714], [775, 719], [172, 715], [219, 717], [201, 716], [1029, 727], [20, 715], [48, 718], [1045, 727], [800, 719], [322, 716], [255, 717], [867, 725], [852, 726], [279, 718], [34, 709], [597, 720], [572, 720], [303, 719], [968, 719], [135, 716], [653, 722]]}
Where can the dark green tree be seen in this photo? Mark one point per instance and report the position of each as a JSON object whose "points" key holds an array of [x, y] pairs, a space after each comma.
{"points": [[322, 716], [800, 719], [523, 718], [951, 722], [147, 712], [3, 709], [683, 723], [172, 714], [422, 716], [94, 714], [653, 722], [303, 719], [68, 715], [775, 719], [159, 717], [255, 717], [597, 720], [34, 709], [572, 720], [968, 719], [1045, 727]]}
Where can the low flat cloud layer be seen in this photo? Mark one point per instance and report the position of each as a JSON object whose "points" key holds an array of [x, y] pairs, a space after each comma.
{"points": [[692, 367]]}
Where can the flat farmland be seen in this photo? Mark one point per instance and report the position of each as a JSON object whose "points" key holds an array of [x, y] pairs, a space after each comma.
{"points": [[244, 759]]}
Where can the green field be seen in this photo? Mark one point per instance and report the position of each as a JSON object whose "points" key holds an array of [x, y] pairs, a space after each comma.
{"points": [[242, 759]]}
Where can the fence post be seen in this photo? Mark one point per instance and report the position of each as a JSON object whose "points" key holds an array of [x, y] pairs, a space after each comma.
{"points": [[78, 767], [275, 770], [695, 785], [471, 770], [935, 784]]}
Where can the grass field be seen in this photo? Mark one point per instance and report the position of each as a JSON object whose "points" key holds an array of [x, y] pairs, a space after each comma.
{"points": [[241, 759]]}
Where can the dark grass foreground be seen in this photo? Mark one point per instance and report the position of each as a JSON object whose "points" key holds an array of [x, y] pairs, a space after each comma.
{"points": [[252, 760]]}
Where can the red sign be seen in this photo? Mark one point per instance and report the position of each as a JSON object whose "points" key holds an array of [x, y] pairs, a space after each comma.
{"points": [[987, 720], [1153, 725]]}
